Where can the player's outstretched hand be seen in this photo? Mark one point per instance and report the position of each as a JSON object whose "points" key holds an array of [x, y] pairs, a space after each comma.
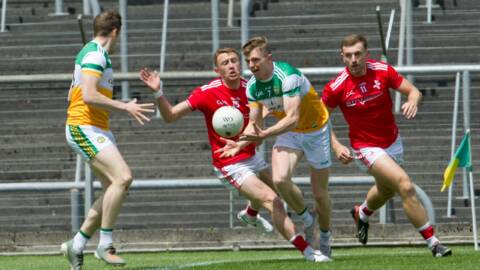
{"points": [[230, 149], [137, 110], [343, 153], [151, 79], [409, 109], [253, 133]]}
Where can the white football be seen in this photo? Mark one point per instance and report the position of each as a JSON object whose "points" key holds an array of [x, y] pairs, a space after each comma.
{"points": [[227, 121]]}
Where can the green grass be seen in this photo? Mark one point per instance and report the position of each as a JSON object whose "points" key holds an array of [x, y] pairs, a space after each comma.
{"points": [[366, 258]]}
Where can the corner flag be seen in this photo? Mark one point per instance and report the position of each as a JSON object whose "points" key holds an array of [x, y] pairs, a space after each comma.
{"points": [[462, 158]]}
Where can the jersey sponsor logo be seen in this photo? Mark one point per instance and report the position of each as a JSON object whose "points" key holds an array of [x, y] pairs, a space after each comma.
{"points": [[264, 93], [377, 84], [362, 100], [276, 90]]}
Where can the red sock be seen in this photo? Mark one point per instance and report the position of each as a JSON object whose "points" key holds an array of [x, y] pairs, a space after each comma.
{"points": [[299, 242], [251, 212], [427, 232], [367, 211]]}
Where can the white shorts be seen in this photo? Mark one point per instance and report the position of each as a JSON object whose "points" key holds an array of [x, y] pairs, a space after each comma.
{"points": [[88, 141], [234, 175], [314, 145], [365, 157]]}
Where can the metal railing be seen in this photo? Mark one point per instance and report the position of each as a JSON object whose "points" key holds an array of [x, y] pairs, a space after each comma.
{"points": [[74, 188]]}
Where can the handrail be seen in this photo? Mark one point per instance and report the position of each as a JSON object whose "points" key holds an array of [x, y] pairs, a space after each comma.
{"points": [[4, 15], [204, 182], [131, 76]]}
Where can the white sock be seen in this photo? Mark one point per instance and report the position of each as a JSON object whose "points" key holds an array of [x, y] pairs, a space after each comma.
{"points": [[361, 214], [106, 237], [325, 236], [432, 241], [306, 217], [79, 242]]}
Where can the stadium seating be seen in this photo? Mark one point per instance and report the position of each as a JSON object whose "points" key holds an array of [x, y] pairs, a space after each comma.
{"points": [[304, 33]]}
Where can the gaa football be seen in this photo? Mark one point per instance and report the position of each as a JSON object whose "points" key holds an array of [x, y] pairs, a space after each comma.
{"points": [[227, 121]]}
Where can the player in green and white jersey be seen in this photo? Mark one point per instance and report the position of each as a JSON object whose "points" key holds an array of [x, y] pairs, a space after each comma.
{"points": [[88, 134], [302, 129]]}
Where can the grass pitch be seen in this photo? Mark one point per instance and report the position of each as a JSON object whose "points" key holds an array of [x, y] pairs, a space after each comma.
{"points": [[364, 258]]}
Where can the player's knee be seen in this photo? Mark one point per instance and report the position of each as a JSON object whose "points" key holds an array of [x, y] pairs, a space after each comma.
{"points": [[125, 180], [268, 199], [406, 189], [321, 197], [278, 205]]}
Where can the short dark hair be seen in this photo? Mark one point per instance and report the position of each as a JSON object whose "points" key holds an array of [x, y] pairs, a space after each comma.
{"points": [[224, 50], [353, 39], [105, 22], [256, 42]]}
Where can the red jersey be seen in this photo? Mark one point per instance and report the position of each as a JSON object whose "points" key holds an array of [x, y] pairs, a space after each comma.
{"points": [[366, 104], [207, 99]]}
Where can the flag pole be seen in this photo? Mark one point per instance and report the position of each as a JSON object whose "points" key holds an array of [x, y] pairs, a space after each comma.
{"points": [[472, 198], [474, 218]]}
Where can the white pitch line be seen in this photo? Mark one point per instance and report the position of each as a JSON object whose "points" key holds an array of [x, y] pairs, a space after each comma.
{"points": [[209, 263]]}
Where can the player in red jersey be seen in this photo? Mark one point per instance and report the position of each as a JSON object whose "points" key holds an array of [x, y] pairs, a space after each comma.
{"points": [[235, 164], [361, 91]]}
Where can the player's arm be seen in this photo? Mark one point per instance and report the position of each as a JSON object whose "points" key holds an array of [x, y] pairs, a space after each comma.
{"points": [[341, 151], [291, 106], [169, 113], [414, 96], [253, 131], [92, 97]]}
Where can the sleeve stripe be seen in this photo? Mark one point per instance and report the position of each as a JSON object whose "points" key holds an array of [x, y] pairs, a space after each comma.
{"points": [[292, 91], [92, 67]]}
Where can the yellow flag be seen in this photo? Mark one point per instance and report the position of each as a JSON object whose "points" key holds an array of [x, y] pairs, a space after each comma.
{"points": [[462, 158]]}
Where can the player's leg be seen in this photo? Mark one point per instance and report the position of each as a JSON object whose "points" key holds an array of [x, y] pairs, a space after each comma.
{"points": [[243, 177], [387, 172], [257, 191], [117, 179], [89, 226], [250, 215], [86, 141], [253, 207], [284, 161], [233, 176], [316, 148], [319, 182], [266, 177], [380, 192], [390, 175]]}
